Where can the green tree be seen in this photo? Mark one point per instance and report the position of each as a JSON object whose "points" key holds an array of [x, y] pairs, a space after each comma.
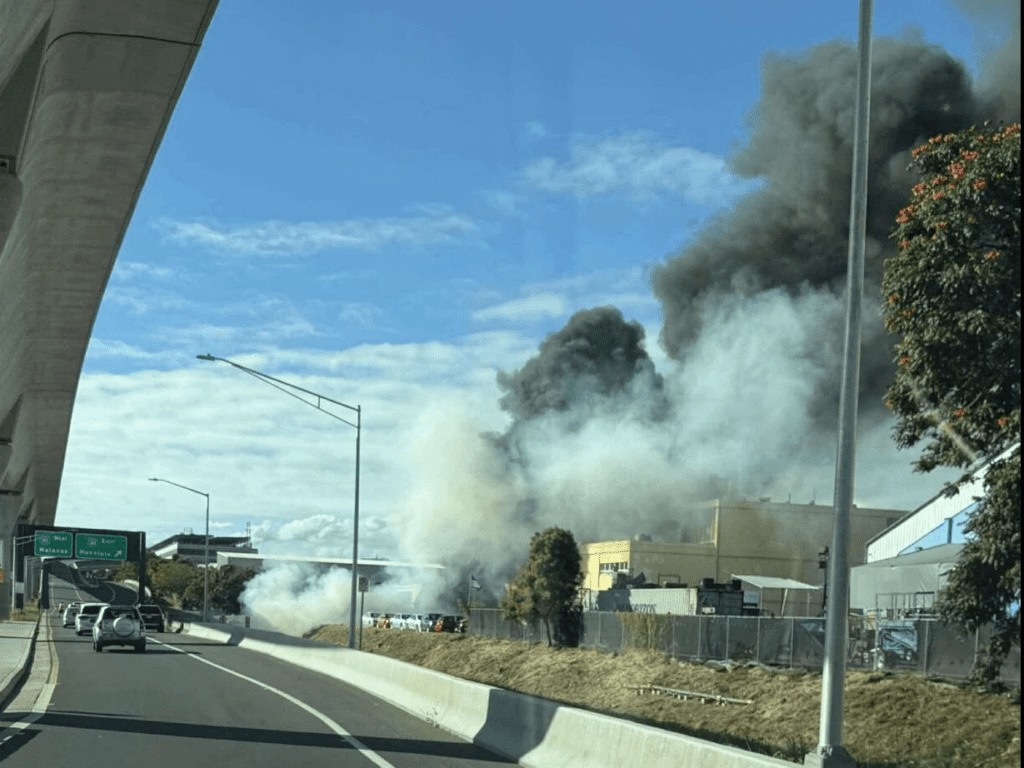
{"points": [[226, 586], [547, 586], [173, 581], [952, 294]]}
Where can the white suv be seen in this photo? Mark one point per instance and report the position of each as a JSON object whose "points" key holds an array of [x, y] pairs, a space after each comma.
{"points": [[86, 616], [119, 625]]}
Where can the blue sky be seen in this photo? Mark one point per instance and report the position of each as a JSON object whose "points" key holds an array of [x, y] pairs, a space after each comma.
{"points": [[390, 202]]}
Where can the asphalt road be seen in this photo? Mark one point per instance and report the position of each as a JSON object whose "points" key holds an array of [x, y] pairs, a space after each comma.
{"points": [[171, 707]]}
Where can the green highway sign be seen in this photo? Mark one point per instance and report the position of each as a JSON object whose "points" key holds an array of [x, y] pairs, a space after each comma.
{"points": [[53, 543], [97, 546]]}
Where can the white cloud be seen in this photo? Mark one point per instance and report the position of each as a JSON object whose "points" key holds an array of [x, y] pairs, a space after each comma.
{"points": [[436, 225], [535, 130], [529, 308], [126, 270], [637, 165], [504, 202], [102, 348], [361, 313]]}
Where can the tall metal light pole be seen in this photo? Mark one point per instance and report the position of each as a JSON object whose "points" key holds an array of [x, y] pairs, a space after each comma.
{"points": [[359, 429], [206, 555], [830, 752]]}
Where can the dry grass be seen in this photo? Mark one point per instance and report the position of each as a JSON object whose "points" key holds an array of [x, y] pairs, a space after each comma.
{"points": [[891, 720], [29, 613]]}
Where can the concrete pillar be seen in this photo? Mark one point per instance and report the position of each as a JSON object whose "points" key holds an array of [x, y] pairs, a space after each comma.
{"points": [[10, 504]]}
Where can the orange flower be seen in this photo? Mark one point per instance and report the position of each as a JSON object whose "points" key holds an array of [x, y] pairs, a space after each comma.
{"points": [[905, 214], [938, 180], [992, 255], [894, 298], [904, 243], [956, 170], [904, 360], [938, 195], [967, 154], [959, 413], [1011, 129], [940, 225], [1002, 421], [980, 184]]}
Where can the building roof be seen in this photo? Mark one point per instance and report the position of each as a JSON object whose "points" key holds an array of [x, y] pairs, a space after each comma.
{"points": [[943, 553], [192, 538], [773, 582], [329, 561]]}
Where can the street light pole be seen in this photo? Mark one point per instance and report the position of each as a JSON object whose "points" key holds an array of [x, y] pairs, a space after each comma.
{"points": [[358, 426], [206, 549]]}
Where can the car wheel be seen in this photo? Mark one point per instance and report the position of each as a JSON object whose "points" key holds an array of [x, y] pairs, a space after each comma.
{"points": [[98, 647], [140, 648]]}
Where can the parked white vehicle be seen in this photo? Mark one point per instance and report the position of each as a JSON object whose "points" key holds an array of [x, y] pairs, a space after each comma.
{"points": [[370, 619], [69, 614]]}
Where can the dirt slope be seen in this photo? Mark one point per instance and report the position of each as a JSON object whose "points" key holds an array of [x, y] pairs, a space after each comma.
{"points": [[891, 720]]}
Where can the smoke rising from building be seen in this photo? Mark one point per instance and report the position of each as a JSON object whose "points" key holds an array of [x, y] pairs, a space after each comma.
{"points": [[601, 443], [792, 234]]}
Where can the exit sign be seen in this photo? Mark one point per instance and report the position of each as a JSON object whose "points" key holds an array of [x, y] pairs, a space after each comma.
{"points": [[95, 546]]}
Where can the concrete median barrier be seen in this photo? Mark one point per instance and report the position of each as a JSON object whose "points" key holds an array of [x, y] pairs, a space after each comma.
{"points": [[535, 732]]}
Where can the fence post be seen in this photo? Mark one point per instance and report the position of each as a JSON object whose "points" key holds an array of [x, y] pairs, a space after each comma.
{"points": [[597, 643], [727, 656], [792, 640], [757, 654], [924, 656], [672, 623], [699, 620]]}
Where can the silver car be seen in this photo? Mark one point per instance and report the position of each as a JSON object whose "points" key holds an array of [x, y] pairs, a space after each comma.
{"points": [[69, 614], [119, 625]]}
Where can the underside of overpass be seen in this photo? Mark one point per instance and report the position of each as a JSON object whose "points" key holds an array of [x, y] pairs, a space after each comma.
{"points": [[87, 88]]}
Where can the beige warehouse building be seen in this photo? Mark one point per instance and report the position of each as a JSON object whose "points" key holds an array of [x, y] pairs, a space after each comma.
{"points": [[725, 538]]}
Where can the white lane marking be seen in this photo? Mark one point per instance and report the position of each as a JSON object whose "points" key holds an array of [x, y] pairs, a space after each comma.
{"points": [[368, 753]]}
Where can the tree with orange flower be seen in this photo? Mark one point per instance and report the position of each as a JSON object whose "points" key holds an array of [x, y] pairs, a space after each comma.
{"points": [[952, 296]]}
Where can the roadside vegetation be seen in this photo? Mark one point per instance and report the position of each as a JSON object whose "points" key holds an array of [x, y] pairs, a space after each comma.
{"points": [[29, 613], [179, 583], [892, 720], [952, 299]]}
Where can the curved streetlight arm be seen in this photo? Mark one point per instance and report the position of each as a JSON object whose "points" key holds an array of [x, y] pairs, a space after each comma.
{"points": [[353, 618], [161, 480], [206, 549], [275, 382]]}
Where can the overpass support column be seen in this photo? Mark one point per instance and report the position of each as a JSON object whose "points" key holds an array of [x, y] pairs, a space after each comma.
{"points": [[9, 506]]}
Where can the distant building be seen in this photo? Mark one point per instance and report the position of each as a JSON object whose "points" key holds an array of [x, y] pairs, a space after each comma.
{"points": [[725, 539], [192, 546], [909, 562]]}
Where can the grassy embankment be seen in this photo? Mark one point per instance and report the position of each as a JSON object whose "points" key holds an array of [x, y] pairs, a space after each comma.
{"points": [[892, 720]]}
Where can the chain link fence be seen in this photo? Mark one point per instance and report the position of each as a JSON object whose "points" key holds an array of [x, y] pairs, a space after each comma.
{"points": [[918, 645]]}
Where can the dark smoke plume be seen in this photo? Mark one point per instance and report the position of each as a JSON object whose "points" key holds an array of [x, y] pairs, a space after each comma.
{"points": [[596, 355], [793, 233]]}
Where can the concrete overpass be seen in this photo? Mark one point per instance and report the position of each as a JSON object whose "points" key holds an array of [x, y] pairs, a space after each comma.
{"points": [[87, 88]]}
